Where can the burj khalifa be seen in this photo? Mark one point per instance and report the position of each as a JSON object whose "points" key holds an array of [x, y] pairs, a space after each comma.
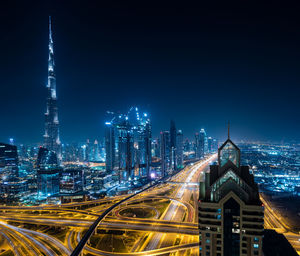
{"points": [[51, 136]]}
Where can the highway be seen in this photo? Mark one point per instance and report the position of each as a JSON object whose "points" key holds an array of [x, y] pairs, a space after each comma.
{"points": [[161, 220], [56, 230], [273, 220]]}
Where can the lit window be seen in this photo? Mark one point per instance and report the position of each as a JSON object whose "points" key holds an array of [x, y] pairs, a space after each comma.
{"points": [[255, 245]]}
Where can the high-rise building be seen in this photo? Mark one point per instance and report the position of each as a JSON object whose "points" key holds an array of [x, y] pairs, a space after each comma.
{"points": [[231, 217], [48, 173], [110, 146], [128, 144], [202, 143], [12, 187], [179, 149], [9, 158], [71, 185], [215, 145], [165, 152], [125, 150], [209, 144], [155, 148], [46, 158], [173, 153], [197, 146], [71, 180], [51, 136]]}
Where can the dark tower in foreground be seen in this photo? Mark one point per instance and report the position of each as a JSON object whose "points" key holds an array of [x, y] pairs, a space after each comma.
{"points": [[231, 215], [51, 136]]}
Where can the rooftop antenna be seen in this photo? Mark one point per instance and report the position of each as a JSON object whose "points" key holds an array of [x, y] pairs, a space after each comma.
{"points": [[228, 130]]}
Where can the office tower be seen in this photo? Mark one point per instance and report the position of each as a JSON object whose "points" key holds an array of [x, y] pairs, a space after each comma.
{"points": [[202, 143], [165, 152], [144, 149], [125, 150], [155, 148], [11, 186], [128, 141], [110, 146], [46, 158], [51, 136], [173, 134], [215, 145], [9, 159], [71, 180], [231, 216], [179, 149], [209, 144], [197, 146], [48, 172]]}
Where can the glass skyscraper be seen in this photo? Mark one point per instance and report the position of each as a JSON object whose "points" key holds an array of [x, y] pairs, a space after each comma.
{"points": [[128, 144]]}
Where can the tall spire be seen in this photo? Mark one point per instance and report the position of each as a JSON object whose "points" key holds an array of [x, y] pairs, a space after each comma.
{"points": [[51, 136], [228, 130], [50, 31]]}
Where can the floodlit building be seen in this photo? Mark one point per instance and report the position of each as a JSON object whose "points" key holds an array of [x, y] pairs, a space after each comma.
{"points": [[51, 136], [48, 173], [179, 149], [173, 145], [165, 152], [110, 147], [128, 145], [9, 159], [231, 215]]}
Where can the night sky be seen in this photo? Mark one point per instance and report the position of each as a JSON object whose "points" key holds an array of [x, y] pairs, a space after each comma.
{"points": [[197, 64]]}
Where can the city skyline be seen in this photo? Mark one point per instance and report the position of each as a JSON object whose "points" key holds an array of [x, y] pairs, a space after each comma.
{"points": [[103, 62], [145, 129]]}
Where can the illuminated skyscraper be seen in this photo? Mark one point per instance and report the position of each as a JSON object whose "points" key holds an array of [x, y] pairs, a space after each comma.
{"points": [[51, 136], [128, 144], [179, 149], [173, 153], [165, 152], [9, 159], [110, 146], [48, 173], [197, 146], [209, 144], [231, 217], [202, 143]]}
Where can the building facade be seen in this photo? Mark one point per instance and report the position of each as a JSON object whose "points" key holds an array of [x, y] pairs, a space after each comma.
{"points": [[9, 159], [231, 215], [51, 136], [165, 152], [173, 146], [48, 173], [128, 145], [179, 149]]}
